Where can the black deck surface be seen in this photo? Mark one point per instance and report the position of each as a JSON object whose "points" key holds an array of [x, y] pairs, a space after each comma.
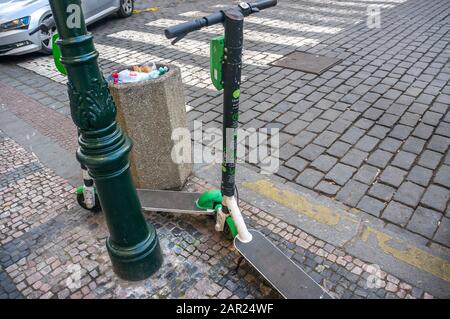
{"points": [[170, 201], [285, 276]]}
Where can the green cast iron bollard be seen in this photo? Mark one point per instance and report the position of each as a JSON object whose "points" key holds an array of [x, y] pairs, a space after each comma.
{"points": [[133, 245]]}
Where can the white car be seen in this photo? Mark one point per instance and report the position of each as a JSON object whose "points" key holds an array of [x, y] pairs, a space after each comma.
{"points": [[17, 17]]}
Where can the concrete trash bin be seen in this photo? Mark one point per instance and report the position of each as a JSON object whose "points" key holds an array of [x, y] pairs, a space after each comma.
{"points": [[148, 111]]}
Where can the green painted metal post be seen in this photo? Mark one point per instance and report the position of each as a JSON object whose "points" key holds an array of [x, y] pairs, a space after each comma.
{"points": [[133, 245]]}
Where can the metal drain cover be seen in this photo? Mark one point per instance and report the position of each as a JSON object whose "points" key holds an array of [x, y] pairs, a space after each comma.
{"points": [[306, 62]]}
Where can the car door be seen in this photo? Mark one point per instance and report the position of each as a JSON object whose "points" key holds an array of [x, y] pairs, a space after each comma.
{"points": [[105, 4], [88, 8]]}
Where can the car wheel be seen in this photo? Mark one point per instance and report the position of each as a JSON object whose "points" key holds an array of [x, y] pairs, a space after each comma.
{"points": [[126, 8], [46, 39]]}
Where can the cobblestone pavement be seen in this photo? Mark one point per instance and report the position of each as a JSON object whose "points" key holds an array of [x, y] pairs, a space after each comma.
{"points": [[372, 133], [51, 248]]}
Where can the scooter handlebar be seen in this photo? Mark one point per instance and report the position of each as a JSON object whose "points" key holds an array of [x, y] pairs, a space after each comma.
{"points": [[184, 28], [264, 4], [45, 26], [193, 25]]}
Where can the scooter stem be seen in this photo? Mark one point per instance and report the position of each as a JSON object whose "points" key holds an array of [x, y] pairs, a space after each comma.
{"points": [[232, 205]]}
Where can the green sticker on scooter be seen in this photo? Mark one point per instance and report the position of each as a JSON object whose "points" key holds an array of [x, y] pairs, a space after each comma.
{"points": [[232, 226], [237, 93], [57, 55]]}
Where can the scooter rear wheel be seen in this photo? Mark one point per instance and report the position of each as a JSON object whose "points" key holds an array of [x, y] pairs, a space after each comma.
{"points": [[97, 208]]}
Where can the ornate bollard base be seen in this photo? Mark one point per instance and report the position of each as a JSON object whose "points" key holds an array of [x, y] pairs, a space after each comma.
{"points": [[137, 262]]}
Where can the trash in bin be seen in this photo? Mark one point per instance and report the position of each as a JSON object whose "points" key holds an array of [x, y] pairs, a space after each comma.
{"points": [[138, 73]]}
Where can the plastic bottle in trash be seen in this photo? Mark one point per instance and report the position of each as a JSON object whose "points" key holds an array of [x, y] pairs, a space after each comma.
{"points": [[153, 75], [163, 70], [127, 76], [115, 77]]}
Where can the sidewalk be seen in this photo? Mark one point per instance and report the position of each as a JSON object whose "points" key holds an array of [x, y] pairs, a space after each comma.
{"points": [[365, 166], [51, 248]]}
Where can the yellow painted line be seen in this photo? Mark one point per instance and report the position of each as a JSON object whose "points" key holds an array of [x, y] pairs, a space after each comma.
{"points": [[153, 9], [300, 204], [323, 214], [411, 255]]}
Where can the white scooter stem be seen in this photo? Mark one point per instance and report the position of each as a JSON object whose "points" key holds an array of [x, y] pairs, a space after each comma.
{"points": [[232, 205]]}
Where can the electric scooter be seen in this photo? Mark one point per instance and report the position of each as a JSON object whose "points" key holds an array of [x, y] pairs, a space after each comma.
{"points": [[86, 195], [225, 67], [226, 64]]}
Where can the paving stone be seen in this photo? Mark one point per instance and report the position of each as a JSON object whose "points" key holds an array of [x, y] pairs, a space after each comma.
{"points": [[393, 176], [379, 131], [364, 124], [351, 193], [439, 143], [295, 126], [352, 135], [379, 158], [410, 119], [442, 176], [340, 174], [373, 114], [409, 194], [420, 175], [390, 144], [327, 188], [324, 163], [338, 149], [287, 151], [326, 138], [443, 233], [371, 205], [424, 221], [354, 158], [269, 116], [431, 118], [287, 173], [339, 126], [330, 115], [297, 163], [423, 131], [401, 132], [246, 116], [443, 129], [414, 145], [311, 152], [388, 119], [367, 143], [303, 138], [403, 160], [436, 197], [318, 126], [430, 159], [381, 191], [367, 174], [397, 213], [309, 178]]}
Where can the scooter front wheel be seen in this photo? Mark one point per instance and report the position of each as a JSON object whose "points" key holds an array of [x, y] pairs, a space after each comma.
{"points": [[229, 228]]}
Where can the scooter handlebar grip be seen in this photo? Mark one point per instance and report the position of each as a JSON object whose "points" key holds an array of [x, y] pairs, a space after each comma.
{"points": [[45, 26], [48, 24], [183, 28], [34, 30], [264, 4], [193, 25]]}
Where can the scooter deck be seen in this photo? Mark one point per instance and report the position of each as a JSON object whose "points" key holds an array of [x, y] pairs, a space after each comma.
{"points": [[170, 201], [282, 273]]}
